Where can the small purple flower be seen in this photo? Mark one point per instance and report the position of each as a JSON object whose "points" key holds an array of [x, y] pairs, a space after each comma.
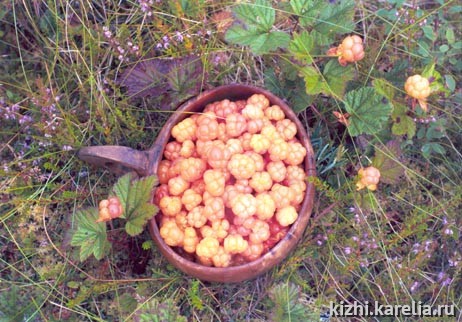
{"points": [[347, 250]]}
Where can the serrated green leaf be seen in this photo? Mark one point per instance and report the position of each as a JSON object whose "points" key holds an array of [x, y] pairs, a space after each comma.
{"points": [[312, 79], [368, 110], [450, 82], [403, 125], [336, 18], [90, 236], [336, 77], [384, 88], [300, 7], [301, 46], [260, 14], [386, 159], [259, 42], [121, 190]]}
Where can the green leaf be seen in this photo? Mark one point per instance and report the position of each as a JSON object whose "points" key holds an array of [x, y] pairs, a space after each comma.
{"points": [[450, 83], [384, 88], [300, 7], [301, 47], [336, 18], [260, 14], [135, 197], [404, 125], [368, 110], [336, 77], [386, 159], [90, 235], [312, 79], [258, 41]]}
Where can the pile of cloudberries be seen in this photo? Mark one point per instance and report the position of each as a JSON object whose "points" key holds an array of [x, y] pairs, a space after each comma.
{"points": [[231, 182]]}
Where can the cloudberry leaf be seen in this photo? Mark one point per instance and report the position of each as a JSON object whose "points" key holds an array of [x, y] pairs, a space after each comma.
{"points": [[90, 236], [312, 79], [384, 88], [336, 18], [301, 47], [259, 14], [368, 110], [402, 123], [135, 196], [336, 77], [388, 160]]}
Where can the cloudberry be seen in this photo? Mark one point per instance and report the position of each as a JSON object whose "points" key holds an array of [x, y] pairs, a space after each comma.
{"points": [[258, 159], [172, 150], [160, 192], [187, 149], [278, 150], [162, 171], [207, 247], [192, 169], [241, 166], [270, 131], [418, 87], [171, 233], [198, 186], [255, 126], [196, 217], [286, 216], [230, 193], [295, 173], [214, 209], [234, 146], [242, 185], [236, 124], [259, 100], [287, 129], [368, 178], [282, 195], [274, 113], [170, 206], [260, 232], [207, 127], [261, 181], [277, 170], [191, 199], [265, 206], [190, 240], [221, 258], [218, 156], [253, 252], [296, 155], [175, 168], [235, 244], [224, 108], [253, 112], [177, 185], [185, 130], [259, 143], [109, 209], [244, 205], [214, 182], [245, 141], [349, 51]]}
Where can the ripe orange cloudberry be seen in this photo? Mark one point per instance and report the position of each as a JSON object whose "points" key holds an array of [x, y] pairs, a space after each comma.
{"points": [[177, 185], [278, 150], [214, 182], [171, 233], [235, 244], [368, 178], [236, 124], [255, 126], [259, 143], [244, 205], [418, 87], [191, 199], [221, 258], [261, 181], [218, 156], [172, 150], [252, 112], [170, 206], [259, 100], [162, 171], [282, 195], [185, 130], [275, 113], [287, 129], [190, 240], [196, 217], [241, 166], [265, 206], [286, 216], [349, 51], [214, 209], [277, 170], [207, 247], [192, 169], [296, 155], [207, 127], [187, 149]]}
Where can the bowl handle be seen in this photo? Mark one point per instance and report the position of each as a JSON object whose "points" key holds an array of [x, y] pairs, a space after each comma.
{"points": [[118, 159]]}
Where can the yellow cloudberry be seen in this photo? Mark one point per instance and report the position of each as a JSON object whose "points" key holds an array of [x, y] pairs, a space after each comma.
{"points": [[160, 192], [253, 252], [190, 240], [259, 100], [296, 155], [260, 232], [368, 178], [270, 131], [234, 146], [218, 156], [241, 166], [286, 216], [221, 258], [255, 126], [235, 244], [207, 247], [181, 219], [236, 124], [177, 185], [350, 50], [253, 112], [261, 181], [287, 129], [259, 143], [282, 195], [172, 234], [170, 206], [265, 206], [214, 182], [418, 87], [295, 173], [277, 170], [196, 218], [184, 130], [214, 209], [207, 127], [191, 199], [258, 159], [274, 113], [278, 150], [230, 193], [187, 149], [244, 205], [192, 169]]}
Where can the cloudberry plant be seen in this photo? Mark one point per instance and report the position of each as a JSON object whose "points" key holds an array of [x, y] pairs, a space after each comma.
{"points": [[368, 178], [185, 130]]}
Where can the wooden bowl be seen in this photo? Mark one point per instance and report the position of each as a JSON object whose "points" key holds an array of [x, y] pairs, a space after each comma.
{"points": [[121, 159]]}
